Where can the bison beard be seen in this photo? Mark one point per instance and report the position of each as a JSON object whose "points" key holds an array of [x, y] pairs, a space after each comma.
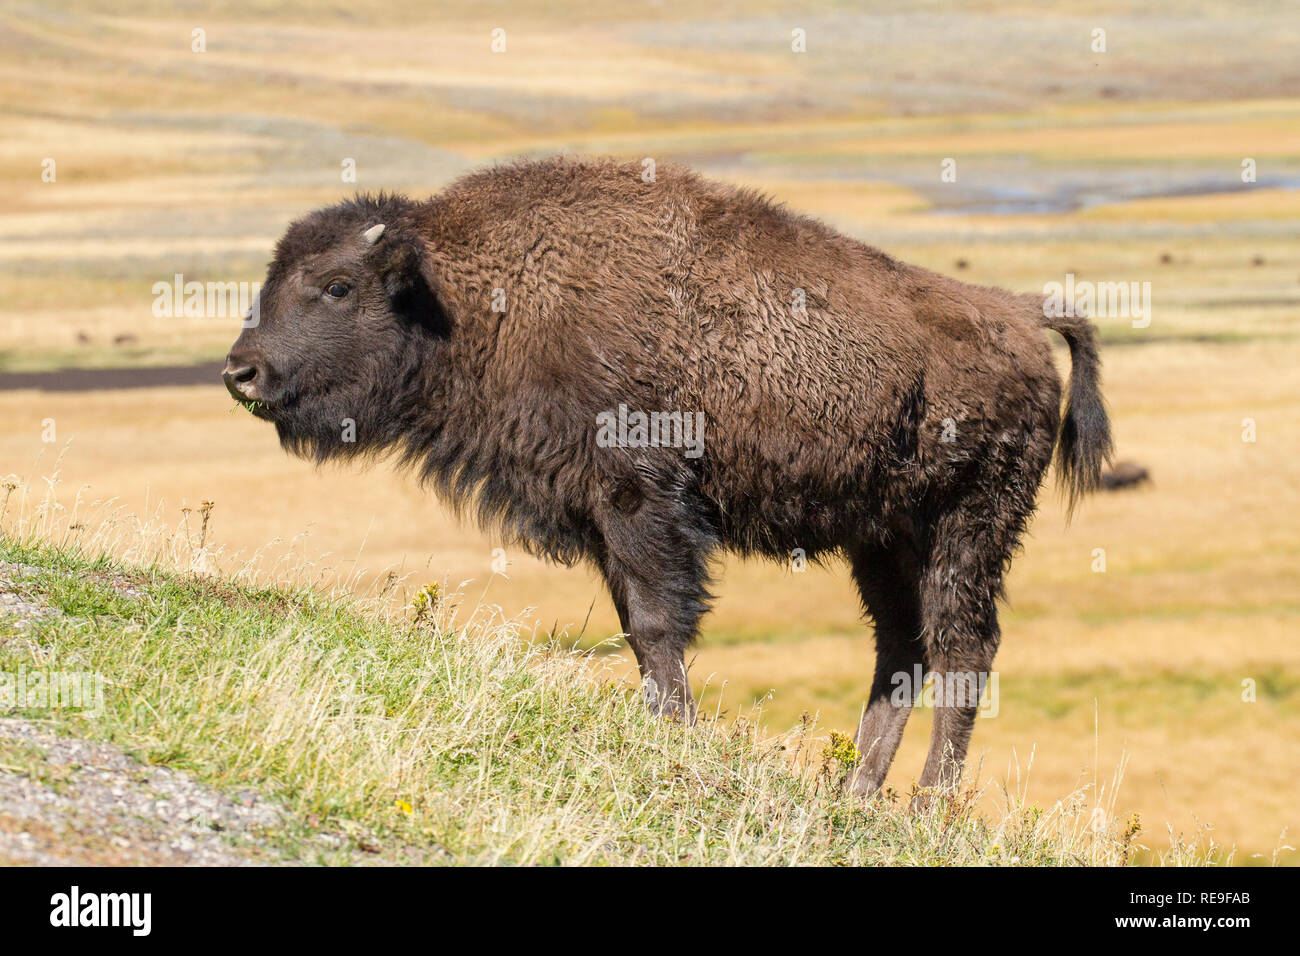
{"points": [[854, 405]]}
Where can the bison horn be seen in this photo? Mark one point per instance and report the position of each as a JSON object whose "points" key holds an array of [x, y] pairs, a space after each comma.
{"points": [[372, 234]]}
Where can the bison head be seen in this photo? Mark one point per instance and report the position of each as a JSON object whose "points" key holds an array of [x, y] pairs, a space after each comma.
{"points": [[343, 326]]}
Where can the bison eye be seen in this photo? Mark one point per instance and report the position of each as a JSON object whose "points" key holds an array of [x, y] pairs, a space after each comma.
{"points": [[336, 290]]}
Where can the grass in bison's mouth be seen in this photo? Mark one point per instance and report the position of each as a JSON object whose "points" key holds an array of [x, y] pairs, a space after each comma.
{"points": [[254, 408]]}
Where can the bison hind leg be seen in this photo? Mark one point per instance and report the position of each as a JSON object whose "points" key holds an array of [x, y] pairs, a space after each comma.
{"points": [[887, 577], [970, 547]]}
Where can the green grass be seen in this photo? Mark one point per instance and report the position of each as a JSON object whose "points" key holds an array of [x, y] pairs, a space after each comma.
{"points": [[446, 733]]}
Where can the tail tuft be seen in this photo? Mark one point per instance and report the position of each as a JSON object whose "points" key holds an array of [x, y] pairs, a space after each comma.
{"points": [[1084, 443]]}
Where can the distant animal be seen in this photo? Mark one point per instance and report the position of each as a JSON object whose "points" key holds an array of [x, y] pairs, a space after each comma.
{"points": [[637, 371], [1124, 474]]}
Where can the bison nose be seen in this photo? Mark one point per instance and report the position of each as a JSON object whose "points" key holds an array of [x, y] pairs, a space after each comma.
{"points": [[242, 378]]}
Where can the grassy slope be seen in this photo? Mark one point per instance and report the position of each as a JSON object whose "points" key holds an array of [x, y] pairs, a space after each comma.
{"points": [[464, 743]]}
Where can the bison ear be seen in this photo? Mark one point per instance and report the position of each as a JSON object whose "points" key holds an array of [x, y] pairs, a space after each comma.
{"points": [[410, 287]]}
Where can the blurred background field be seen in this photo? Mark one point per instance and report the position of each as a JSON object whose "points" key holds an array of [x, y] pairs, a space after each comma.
{"points": [[1116, 166]]}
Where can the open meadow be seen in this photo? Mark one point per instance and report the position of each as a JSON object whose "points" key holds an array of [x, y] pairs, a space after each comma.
{"points": [[1149, 645]]}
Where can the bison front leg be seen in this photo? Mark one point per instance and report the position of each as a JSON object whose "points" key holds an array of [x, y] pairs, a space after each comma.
{"points": [[659, 622], [657, 631], [656, 568], [665, 686]]}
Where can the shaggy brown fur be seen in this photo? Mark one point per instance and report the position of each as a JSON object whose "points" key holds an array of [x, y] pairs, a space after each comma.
{"points": [[852, 404]]}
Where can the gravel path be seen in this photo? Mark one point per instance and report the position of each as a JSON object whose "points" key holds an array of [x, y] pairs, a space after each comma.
{"points": [[70, 802], [12, 605], [65, 801]]}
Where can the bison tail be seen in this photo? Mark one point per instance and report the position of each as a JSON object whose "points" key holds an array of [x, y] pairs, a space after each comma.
{"points": [[1084, 442]]}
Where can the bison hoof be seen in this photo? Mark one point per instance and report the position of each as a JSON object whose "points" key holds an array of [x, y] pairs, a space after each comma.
{"points": [[664, 702], [862, 783]]}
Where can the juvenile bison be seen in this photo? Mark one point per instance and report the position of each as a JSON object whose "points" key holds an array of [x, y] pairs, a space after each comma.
{"points": [[640, 373]]}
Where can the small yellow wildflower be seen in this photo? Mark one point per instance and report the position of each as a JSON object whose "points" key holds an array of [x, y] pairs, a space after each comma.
{"points": [[425, 600], [843, 749]]}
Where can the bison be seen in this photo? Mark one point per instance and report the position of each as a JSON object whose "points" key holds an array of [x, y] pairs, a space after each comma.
{"points": [[1125, 474], [638, 370]]}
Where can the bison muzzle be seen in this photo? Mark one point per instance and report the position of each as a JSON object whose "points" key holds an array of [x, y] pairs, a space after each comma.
{"points": [[639, 373]]}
